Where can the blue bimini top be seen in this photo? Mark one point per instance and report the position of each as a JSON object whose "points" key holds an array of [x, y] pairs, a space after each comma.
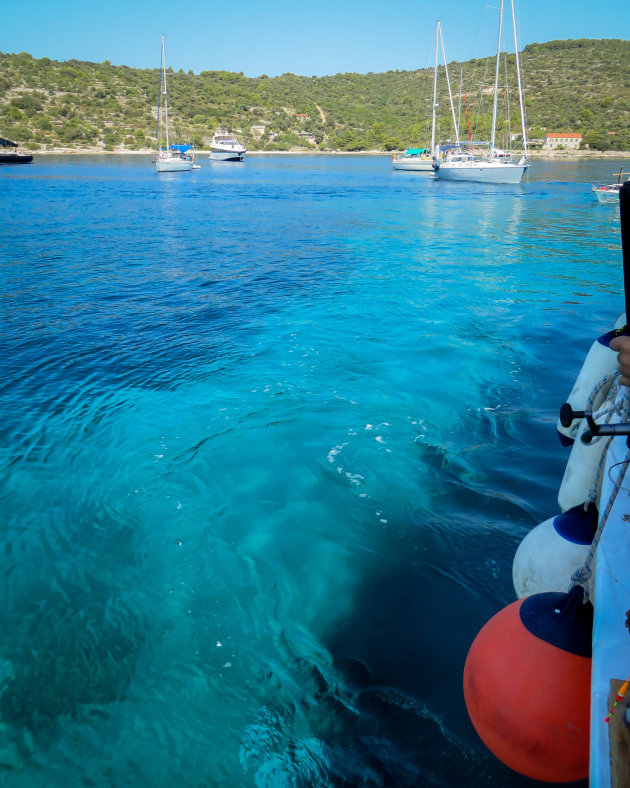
{"points": [[180, 148]]}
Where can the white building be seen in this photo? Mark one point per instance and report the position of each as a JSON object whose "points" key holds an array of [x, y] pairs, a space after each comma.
{"points": [[258, 130], [567, 140]]}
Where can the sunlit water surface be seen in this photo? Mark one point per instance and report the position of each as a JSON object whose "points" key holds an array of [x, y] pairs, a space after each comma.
{"points": [[271, 434]]}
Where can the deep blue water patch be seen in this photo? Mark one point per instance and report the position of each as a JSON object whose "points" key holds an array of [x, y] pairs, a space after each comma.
{"points": [[270, 436]]}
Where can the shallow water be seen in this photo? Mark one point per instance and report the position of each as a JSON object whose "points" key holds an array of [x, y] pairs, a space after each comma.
{"points": [[271, 433]]}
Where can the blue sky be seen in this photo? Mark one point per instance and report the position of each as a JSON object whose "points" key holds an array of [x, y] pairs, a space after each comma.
{"points": [[321, 37]]}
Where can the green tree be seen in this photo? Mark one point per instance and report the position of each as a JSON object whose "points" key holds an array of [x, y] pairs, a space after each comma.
{"points": [[595, 140]]}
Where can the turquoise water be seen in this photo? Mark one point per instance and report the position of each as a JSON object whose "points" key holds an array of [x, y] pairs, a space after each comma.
{"points": [[271, 434]]}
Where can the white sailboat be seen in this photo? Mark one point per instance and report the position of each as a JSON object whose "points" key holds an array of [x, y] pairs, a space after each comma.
{"points": [[496, 166], [421, 159], [414, 159], [172, 158]]}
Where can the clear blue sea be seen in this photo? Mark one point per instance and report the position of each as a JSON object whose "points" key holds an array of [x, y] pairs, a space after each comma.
{"points": [[271, 433]]}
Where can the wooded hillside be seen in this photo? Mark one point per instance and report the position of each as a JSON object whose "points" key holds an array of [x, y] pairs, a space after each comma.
{"points": [[578, 85]]}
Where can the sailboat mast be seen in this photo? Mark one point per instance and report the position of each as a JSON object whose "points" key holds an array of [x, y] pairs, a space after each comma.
{"points": [[437, 33], [520, 86], [450, 94], [165, 94], [493, 134], [459, 105], [157, 125]]}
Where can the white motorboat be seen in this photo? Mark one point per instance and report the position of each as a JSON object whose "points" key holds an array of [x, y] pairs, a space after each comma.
{"points": [[496, 165], [170, 158], [608, 193], [225, 147]]}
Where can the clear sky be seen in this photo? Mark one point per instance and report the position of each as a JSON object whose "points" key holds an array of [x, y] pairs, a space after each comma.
{"points": [[308, 38]]}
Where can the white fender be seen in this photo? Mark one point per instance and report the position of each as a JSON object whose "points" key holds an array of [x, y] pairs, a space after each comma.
{"points": [[599, 362], [545, 561], [581, 470]]}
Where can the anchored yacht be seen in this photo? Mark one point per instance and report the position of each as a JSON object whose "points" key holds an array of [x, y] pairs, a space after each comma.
{"points": [[225, 147]]}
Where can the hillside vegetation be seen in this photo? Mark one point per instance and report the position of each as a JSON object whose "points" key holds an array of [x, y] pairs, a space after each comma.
{"points": [[577, 85]]}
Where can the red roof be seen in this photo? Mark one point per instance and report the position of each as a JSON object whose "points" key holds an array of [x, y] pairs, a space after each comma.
{"points": [[570, 134]]}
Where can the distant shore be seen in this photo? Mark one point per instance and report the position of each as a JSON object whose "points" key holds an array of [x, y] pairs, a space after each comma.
{"points": [[536, 154]]}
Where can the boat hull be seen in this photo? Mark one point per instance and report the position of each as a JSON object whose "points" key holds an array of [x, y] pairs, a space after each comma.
{"points": [[420, 165], [607, 196], [612, 590], [15, 158], [223, 155], [484, 173], [173, 165]]}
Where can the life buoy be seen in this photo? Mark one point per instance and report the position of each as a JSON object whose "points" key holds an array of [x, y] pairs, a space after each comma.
{"points": [[599, 362]]}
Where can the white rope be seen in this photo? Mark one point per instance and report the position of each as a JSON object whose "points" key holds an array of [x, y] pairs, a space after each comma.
{"points": [[603, 416], [607, 380], [581, 576]]}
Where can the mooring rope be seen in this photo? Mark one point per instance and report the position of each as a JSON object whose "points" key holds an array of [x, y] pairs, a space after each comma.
{"points": [[603, 415]]}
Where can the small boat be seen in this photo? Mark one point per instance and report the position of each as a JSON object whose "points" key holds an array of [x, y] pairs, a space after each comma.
{"points": [[12, 156], [609, 193], [171, 158], [225, 147], [415, 159]]}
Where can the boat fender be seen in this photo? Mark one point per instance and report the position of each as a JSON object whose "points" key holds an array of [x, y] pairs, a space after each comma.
{"points": [[582, 479], [551, 552], [527, 681], [600, 362]]}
